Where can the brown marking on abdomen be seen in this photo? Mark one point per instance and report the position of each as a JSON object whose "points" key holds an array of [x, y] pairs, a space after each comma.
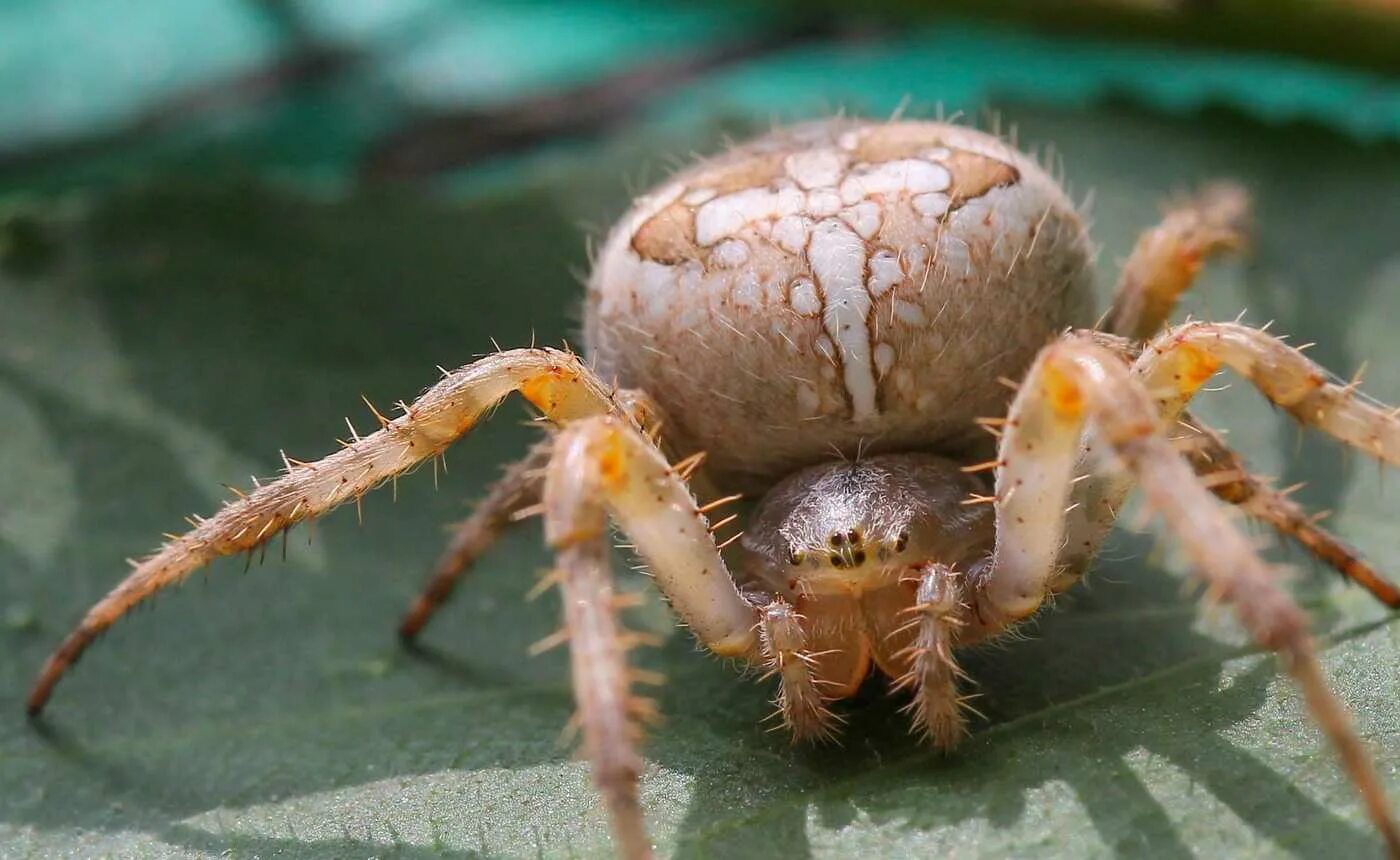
{"points": [[668, 236], [975, 174]]}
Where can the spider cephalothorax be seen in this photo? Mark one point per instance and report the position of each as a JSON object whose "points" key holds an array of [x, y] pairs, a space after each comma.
{"points": [[828, 313], [847, 546]]}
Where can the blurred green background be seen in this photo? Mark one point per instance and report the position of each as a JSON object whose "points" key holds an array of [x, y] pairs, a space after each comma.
{"points": [[221, 221]]}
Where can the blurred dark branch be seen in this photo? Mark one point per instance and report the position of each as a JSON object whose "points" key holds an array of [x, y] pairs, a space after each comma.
{"points": [[1358, 33], [455, 139]]}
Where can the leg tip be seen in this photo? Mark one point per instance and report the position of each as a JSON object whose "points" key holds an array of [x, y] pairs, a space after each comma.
{"points": [[34, 707], [408, 633]]}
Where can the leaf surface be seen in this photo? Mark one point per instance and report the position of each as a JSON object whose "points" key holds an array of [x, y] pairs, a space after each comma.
{"points": [[182, 333]]}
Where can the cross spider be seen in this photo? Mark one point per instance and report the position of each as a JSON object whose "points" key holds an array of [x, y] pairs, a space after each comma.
{"points": [[860, 288]]}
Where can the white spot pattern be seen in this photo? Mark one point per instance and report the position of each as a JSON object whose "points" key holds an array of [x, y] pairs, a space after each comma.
{"points": [[885, 273], [724, 216], [805, 299], [837, 257], [910, 175], [815, 168], [864, 218], [730, 253]]}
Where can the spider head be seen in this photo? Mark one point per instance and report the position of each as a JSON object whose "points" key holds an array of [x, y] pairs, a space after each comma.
{"points": [[846, 526]]}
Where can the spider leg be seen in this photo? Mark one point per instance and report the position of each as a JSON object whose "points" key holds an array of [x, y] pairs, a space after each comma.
{"points": [[933, 673], [600, 466], [557, 383], [1224, 471], [801, 704], [1166, 259], [1074, 382], [1174, 367], [1176, 364], [512, 495], [516, 490]]}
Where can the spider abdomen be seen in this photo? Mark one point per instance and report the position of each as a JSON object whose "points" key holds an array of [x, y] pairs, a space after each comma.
{"points": [[834, 284]]}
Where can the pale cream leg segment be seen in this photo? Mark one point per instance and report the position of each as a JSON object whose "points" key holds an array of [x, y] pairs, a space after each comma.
{"points": [[615, 467], [933, 675], [608, 713], [576, 525], [604, 465], [1035, 467], [1073, 383], [556, 382], [1175, 366]]}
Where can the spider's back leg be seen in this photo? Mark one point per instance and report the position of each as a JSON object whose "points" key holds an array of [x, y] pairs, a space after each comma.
{"points": [[1166, 259], [1224, 471], [1077, 382], [515, 491]]}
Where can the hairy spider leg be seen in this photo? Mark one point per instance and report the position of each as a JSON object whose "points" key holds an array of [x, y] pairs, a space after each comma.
{"points": [[510, 500], [800, 701], [555, 382], [1224, 471], [1075, 382], [1166, 259], [604, 466], [1162, 267], [936, 707], [1174, 367], [516, 491]]}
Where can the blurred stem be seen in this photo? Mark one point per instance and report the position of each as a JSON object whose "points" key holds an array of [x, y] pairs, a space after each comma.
{"points": [[1362, 33]]}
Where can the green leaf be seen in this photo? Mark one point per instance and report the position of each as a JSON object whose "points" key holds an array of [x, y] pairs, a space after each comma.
{"points": [[178, 335]]}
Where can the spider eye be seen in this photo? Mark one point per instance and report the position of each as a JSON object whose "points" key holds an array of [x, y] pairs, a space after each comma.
{"points": [[838, 539], [901, 542], [794, 557], [853, 536]]}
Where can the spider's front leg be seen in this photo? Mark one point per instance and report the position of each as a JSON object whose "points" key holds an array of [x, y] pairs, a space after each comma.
{"points": [[1074, 383], [801, 701], [555, 382], [936, 705], [603, 466], [512, 496]]}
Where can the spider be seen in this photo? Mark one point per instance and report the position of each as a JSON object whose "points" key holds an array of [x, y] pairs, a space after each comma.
{"points": [[828, 313]]}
